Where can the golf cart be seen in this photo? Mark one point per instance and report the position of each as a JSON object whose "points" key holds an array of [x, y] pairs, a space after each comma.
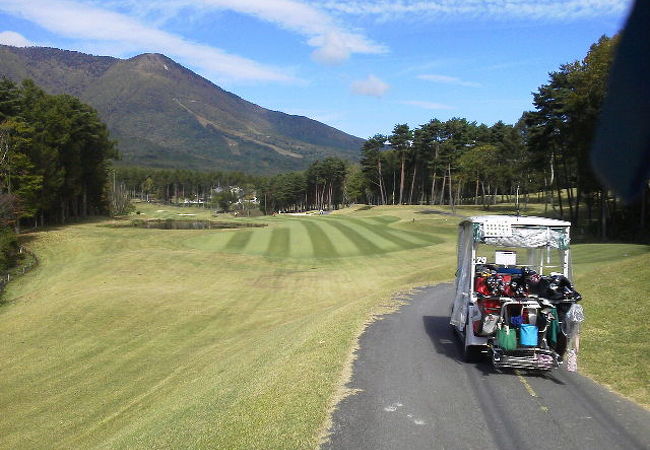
{"points": [[514, 299]]}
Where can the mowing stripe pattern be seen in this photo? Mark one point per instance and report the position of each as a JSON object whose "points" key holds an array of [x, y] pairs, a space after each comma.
{"points": [[363, 244], [384, 232], [320, 241], [318, 237], [279, 243], [238, 241]]}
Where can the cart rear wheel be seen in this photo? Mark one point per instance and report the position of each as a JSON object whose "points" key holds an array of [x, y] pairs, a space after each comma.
{"points": [[472, 353]]}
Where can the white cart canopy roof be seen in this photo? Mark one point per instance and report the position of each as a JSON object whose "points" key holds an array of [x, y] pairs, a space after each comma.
{"points": [[520, 220], [517, 231]]}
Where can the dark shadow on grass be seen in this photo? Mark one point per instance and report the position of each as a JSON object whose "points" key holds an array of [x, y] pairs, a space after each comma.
{"points": [[29, 231], [438, 212], [238, 241], [279, 243], [384, 219], [320, 241], [27, 238], [381, 231], [363, 244]]}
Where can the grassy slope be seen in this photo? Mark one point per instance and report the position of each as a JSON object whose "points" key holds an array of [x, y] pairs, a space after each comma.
{"points": [[614, 280], [221, 339], [131, 337]]}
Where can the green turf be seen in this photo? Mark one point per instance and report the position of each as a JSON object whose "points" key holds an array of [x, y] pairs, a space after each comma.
{"points": [[614, 280], [321, 242], [397, 238], [589, 256], [363, 245], [279, 242], [238, 240]]}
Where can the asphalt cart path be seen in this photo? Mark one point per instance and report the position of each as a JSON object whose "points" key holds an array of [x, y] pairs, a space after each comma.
{"points": [[416, 393]]}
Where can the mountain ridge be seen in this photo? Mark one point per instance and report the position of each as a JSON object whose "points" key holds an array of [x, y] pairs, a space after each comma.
{"points": [[164, 115]]}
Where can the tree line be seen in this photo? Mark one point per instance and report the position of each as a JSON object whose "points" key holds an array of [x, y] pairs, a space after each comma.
{"points": [[177, 185], [321, 186], [543, 157], [54, 158], [442, 163], [559, 136], [55, 154]]}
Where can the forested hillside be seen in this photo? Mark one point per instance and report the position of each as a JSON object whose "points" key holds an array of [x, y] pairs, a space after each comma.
{"points": [[164, 115]]}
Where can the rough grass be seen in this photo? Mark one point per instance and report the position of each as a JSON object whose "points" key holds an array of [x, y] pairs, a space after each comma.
{"points": [[614, 280], [230, 339]]}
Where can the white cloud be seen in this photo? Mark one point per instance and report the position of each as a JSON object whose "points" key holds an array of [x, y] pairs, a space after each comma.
{"points": [[15, 39], [426, 105], [499, 9], [80, 21], [448, 80], [371, 86], [334, 47], [333, 43]]}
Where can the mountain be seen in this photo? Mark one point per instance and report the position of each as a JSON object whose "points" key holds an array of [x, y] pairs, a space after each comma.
{"points": [[164, 115]]}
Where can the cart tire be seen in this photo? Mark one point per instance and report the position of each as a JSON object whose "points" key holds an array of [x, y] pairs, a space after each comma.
{"points": [[471, 353]]}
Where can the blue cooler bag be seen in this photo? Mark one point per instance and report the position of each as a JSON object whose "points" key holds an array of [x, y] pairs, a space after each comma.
{"points": [[528, 335]]}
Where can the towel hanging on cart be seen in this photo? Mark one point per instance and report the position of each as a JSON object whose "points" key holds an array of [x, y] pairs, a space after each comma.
{"points": [[507, 338]]}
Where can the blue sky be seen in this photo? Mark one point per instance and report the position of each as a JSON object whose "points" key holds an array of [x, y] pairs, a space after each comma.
{"points": [[359, 65]]}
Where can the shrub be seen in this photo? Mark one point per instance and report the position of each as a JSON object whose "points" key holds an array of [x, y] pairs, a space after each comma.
{"points": [[8, 249]]}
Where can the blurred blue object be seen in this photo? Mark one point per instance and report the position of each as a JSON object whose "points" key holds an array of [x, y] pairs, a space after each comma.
{"points": [[528, 335], [620, 154], [516, 321]]}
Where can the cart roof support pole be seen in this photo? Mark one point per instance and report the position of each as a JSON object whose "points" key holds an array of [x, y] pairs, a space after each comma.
{"points": [[472, 297], [565, 264]]}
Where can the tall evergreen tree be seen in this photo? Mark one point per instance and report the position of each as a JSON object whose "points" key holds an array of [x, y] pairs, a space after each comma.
{"points": [[401, 141]]}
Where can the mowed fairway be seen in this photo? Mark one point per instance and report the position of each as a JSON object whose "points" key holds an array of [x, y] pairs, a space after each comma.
{"points": [[318, 237], [185, 338]]}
